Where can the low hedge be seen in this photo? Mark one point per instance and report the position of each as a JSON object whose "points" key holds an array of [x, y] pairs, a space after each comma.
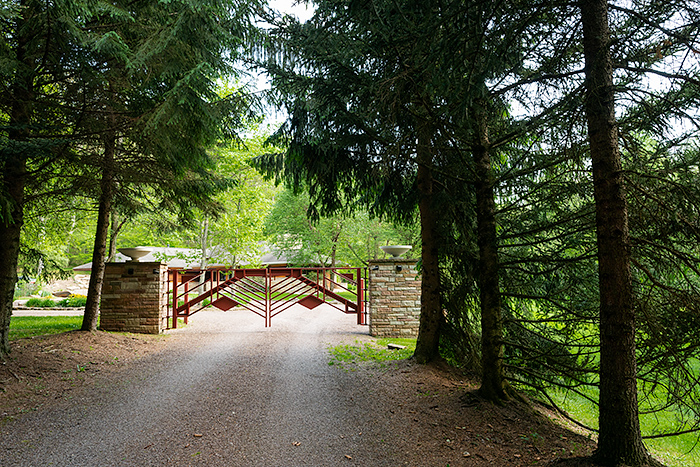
{"points": [[71, 301]]}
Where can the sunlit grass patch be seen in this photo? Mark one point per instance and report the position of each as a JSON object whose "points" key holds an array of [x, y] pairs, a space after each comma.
{"points": [[377, 352], [30, 326]]}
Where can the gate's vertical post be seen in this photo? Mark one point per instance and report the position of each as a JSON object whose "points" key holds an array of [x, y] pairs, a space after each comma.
{"points": [[210, 280], [187, 299], [168, 299], [268, 297], [218, 283], [211, 285], [176, 279], [360, 298]]}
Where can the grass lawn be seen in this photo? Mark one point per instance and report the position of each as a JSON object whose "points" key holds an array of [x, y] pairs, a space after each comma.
{"points": [[675, 451], [347, 295], [30, 326]]}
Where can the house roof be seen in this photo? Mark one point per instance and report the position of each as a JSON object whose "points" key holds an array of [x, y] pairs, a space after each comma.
{"points": [[184, 258], [275, 258], [190, 258]]}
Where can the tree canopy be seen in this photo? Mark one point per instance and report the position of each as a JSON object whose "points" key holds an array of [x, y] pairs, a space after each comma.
{"points": [[122, 96], [481, 109]]}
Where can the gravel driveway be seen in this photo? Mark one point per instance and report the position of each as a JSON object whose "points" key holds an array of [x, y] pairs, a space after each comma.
{"points": [[228, 392]]}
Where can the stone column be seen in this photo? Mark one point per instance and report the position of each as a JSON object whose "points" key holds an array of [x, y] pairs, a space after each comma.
{"points": [[394, 298], [134, 297]]}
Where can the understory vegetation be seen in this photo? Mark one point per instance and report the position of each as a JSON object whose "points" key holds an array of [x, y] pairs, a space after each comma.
{"points": [[71, 301], [377, 351]]}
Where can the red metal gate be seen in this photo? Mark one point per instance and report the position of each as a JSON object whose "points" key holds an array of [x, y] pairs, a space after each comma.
{"points": [[265, 292]]}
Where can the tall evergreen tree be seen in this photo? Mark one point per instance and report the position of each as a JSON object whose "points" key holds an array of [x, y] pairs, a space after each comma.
{"points": [[120, 97], [620, 439], [351, 130], [39, 44], [157, 58]]}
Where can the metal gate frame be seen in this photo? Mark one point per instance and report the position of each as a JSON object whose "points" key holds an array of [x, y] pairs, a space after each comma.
{"points": [[266, 292]]}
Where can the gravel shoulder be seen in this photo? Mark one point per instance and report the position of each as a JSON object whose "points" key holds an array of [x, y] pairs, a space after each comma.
{"points": [[225, 391]]}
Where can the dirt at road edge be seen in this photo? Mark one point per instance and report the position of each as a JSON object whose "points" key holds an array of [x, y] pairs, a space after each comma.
{"points": [[434, 409]]}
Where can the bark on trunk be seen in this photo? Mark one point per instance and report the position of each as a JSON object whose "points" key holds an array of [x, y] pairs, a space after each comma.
{"points": [[334, 252], [427, 346], [619, 440], [204, 243], [92, 305], [14, 173], [493, 385], [114, 229], [9, 247]]}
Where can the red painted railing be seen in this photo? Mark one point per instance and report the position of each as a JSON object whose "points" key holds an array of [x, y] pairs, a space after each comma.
{"points": [[265, 292]]}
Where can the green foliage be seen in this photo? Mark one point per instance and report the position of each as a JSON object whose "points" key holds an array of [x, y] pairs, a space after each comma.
{"points": [[170, 111], [41, 303], [676, 451], [233, 235], [343, 238], [238, 231], [71, 301]]}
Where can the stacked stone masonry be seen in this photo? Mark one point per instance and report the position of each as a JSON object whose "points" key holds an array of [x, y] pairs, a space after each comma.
{"points": [[134, 297], [394, 298]]}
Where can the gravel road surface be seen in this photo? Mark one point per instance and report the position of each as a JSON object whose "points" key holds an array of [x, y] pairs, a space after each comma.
{"points": [[228, 392]]}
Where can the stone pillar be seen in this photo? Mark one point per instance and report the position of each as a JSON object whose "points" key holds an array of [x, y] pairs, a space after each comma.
{"points": [[134, 297], [394, 298]]}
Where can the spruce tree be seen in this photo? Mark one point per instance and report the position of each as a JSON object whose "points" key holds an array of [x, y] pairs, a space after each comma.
{"points": [[162, 110], [39, 47]]}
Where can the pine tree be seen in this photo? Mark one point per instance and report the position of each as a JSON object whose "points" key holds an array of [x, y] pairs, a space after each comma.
{"points": [[121, 98], [37, 126], [620, 439], [154, 63]]}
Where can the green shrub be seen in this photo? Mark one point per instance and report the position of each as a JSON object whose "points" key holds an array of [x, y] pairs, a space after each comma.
{"points": [[73, 300], [24, 288], [40, 303]]}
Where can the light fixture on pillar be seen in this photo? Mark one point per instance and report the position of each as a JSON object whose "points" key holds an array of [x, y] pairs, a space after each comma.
{"points": [[135, 254], [398, 268], [395, 250]]}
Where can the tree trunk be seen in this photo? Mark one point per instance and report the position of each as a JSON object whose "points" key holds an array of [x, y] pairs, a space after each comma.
{"points": [[427, 346], [13, 183], [334, 252], [114, 228], [619, 439], [493, 385], [92, 305], [14, 173]]}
